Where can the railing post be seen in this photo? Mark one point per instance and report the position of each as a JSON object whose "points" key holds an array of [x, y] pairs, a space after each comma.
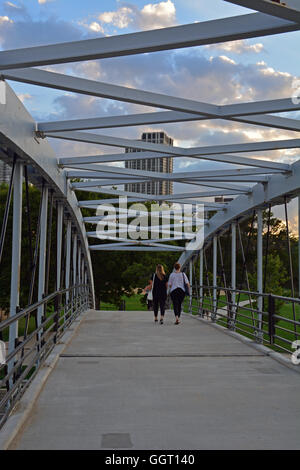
{"points": [[79, 276], [201, 283], [191, 287], [74, 295], [16, 257], [215, 261], [56, 316], [68, 265], [60, 213], [271, 319], [299, 246], [233, 306], [259, 333], [42, 259]]}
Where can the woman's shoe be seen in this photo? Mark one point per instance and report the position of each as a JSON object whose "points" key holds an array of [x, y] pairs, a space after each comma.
{"points": [[177, 322], [156, 320], [161, 321]]}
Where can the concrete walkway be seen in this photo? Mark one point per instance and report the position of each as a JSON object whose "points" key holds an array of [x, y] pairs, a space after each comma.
{"points": [[127, 383]]}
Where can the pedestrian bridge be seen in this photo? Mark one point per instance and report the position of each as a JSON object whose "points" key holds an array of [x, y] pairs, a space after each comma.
{"points": [[123, 382]]}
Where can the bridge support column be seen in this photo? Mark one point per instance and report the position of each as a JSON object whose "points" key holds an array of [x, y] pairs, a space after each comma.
{"points": [[42, 255], [215, 261], [68, 264], [233, 307], [60, 213], [74, 293], [84, 280], [201, 283], [79, 291], [259, 333], [191, 287], [299, 246], [16, 256]]}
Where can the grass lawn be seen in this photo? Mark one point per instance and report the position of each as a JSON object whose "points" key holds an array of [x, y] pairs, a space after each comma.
{"points": [[132, 303], [246, 319]]}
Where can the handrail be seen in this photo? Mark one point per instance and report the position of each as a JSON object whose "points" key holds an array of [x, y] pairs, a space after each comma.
{"points": [[21, 366], [269, 326]]}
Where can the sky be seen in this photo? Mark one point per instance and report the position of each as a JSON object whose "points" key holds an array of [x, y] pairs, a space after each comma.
{"points": [[242, 71]]}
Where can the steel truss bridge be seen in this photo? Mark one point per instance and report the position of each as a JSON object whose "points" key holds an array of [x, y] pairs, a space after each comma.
{"points": [[257, 184]]}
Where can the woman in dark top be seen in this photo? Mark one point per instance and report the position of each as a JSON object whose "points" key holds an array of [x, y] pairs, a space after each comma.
{"points": [[159, 291]]}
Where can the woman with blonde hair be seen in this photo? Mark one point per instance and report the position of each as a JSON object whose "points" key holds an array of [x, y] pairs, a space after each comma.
{"points": [[159, 292]]}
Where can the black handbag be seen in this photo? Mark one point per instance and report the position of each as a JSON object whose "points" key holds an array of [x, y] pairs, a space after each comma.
{"points": [[186, 287]]}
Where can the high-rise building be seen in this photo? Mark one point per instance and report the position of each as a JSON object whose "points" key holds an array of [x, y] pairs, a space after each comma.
{"points": [[160, 165], [5, 172], [222, 199]]}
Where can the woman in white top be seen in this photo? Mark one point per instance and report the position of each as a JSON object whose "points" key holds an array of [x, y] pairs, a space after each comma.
{"points": [[176, 285]]}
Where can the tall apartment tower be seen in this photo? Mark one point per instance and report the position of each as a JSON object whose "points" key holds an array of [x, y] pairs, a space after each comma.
{"points": [[5, 172], [160, 165]]}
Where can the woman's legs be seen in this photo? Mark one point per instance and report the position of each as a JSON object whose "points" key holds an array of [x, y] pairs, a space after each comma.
{"points": [[177, 297], [162, 304], [155, 307]]}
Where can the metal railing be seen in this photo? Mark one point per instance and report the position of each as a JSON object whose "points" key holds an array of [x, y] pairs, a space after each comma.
{"points": [[36, 341], [269, 319]]}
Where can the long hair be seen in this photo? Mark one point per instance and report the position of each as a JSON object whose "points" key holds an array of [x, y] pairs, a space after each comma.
{"points": [[160, 272]]}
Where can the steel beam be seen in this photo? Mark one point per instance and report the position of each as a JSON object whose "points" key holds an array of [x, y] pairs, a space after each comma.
{"points": [[196, 34], [162, 117], [74, 264], [92, 170], [42, 254], [68, 260], [191, 287], [215, 284], [208, 206], [123, 157], [201, 265], [299, 246], [203, 152], [279, 10], [132, 248], [260, 272], [145, 98], [60, 213], [233, 269], [16, 256]]}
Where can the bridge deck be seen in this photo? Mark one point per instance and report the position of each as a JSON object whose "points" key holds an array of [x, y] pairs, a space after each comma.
{"points": [[125, 383]]}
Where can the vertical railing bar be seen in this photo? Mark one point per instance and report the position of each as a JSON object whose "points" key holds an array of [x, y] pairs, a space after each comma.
{"points": [[290, 261], [16, 258], [6, 210]]}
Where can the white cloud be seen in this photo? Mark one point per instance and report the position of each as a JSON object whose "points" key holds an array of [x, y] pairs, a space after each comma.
{"points": [[151, 16], [158, 15], [238, 47], [5, 19], [227, 59], [96, 27], [120, 18]]}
